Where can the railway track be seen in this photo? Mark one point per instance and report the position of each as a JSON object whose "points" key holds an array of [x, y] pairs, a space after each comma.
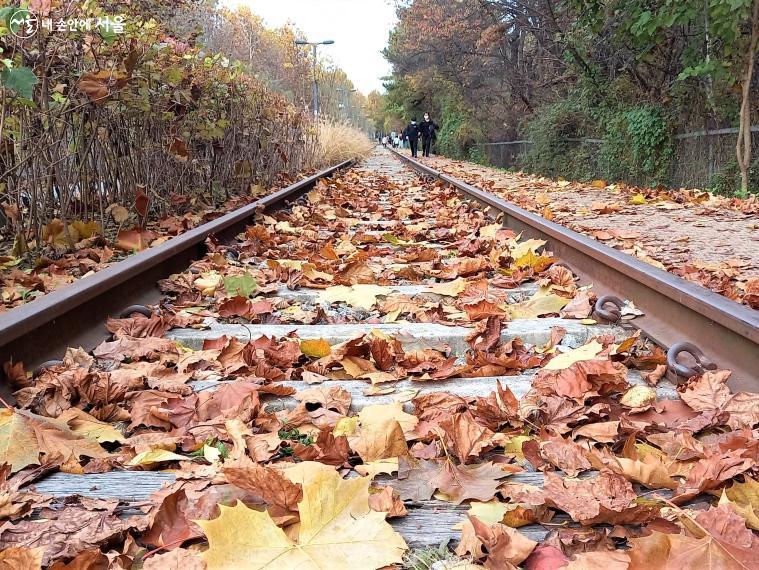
{"points": [[396, 288], [676, 311]]}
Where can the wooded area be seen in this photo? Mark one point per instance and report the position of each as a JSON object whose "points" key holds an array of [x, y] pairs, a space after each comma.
{"points": [[628, 72], [185, 105]]}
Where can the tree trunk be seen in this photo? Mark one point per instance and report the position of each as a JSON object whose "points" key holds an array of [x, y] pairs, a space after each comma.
{"points": [[743, 146]]}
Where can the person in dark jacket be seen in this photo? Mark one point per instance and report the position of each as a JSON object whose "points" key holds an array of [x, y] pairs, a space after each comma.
{"points": [[428, 129], [411, 132]]}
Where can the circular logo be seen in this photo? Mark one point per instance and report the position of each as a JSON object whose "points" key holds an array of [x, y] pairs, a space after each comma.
{"points": [[23, 24]]}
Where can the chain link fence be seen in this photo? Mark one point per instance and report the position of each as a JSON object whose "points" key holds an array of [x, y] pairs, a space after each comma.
{"points": [[699, 156]]}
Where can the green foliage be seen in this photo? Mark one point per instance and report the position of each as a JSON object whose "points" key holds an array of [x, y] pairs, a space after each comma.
{"points": [[552, 152], [294, 435], [21, 79], [476, 154], [728, 180], [458, 132], [211, 442], [636, 147]]}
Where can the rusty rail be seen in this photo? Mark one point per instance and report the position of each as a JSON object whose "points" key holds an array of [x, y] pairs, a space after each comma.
{"points": [[675, 310], [75, 315]]}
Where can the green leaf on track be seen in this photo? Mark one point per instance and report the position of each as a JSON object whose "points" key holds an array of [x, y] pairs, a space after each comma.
{"points": [[240, 285]]}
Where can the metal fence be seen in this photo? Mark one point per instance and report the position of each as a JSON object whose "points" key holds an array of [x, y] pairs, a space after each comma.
{"points": [[698, 156]]}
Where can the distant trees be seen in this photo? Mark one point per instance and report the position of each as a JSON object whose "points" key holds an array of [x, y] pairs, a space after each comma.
{"points": [[271, 54], [500, 63]]}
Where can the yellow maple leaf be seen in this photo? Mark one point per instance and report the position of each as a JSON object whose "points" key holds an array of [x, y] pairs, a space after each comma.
{"points": [[638, 199], [208, 282], [86, 229], [537, 305], [155, 456], [638, 397], [337, 531], [566, 359], [449, 288], [82, 423], [361, 295], [489, 512], [315, 348], [518, 249]]}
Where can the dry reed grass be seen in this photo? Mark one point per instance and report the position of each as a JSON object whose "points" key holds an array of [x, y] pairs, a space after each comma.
{"points": [[336, 142]]}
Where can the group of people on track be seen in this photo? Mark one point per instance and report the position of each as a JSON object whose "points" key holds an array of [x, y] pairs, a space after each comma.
{"points": [[426, 130]]}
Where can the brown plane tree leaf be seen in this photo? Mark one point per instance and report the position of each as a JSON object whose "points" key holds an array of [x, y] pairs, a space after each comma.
{"points": [[270, 484], [322, 406], [386, 500], [467, 438], [709, 392], [67, 532], [177, 559], [564, 454], [24, 436], [606, 498], [505, 547], [135, 240], [546, 557], [713, 470], [486, 334], [457, 482], [583, 379], [21, 558], [719, 540]]}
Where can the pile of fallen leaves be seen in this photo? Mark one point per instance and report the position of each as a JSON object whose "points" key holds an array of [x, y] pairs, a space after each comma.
{"points": [[275, 465], [583, 207]]}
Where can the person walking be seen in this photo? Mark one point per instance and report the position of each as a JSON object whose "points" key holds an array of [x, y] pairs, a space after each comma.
{"points": [[428, 129], [411, 132]]}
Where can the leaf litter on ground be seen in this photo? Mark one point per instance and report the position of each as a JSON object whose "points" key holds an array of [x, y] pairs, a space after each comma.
{"points": [[270, 476]]}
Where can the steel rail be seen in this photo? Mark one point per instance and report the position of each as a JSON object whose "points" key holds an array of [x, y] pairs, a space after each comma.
{"points": [[75, 315], [675, 310]]}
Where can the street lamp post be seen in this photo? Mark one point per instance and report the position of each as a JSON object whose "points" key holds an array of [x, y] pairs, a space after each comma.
{"points": [[315, 92], [345, 103]]}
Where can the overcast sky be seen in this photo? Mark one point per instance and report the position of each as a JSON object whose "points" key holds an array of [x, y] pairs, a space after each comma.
{"points": [[359, 27]]}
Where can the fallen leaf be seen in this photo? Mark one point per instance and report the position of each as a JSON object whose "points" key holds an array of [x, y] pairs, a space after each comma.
{"points": [[20, 558], [536, 306], [134, 240], [363, 296], [316, 348], [337, 530]]}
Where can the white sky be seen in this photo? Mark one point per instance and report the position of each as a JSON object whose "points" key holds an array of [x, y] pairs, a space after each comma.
{"points": [[360, 29]]}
